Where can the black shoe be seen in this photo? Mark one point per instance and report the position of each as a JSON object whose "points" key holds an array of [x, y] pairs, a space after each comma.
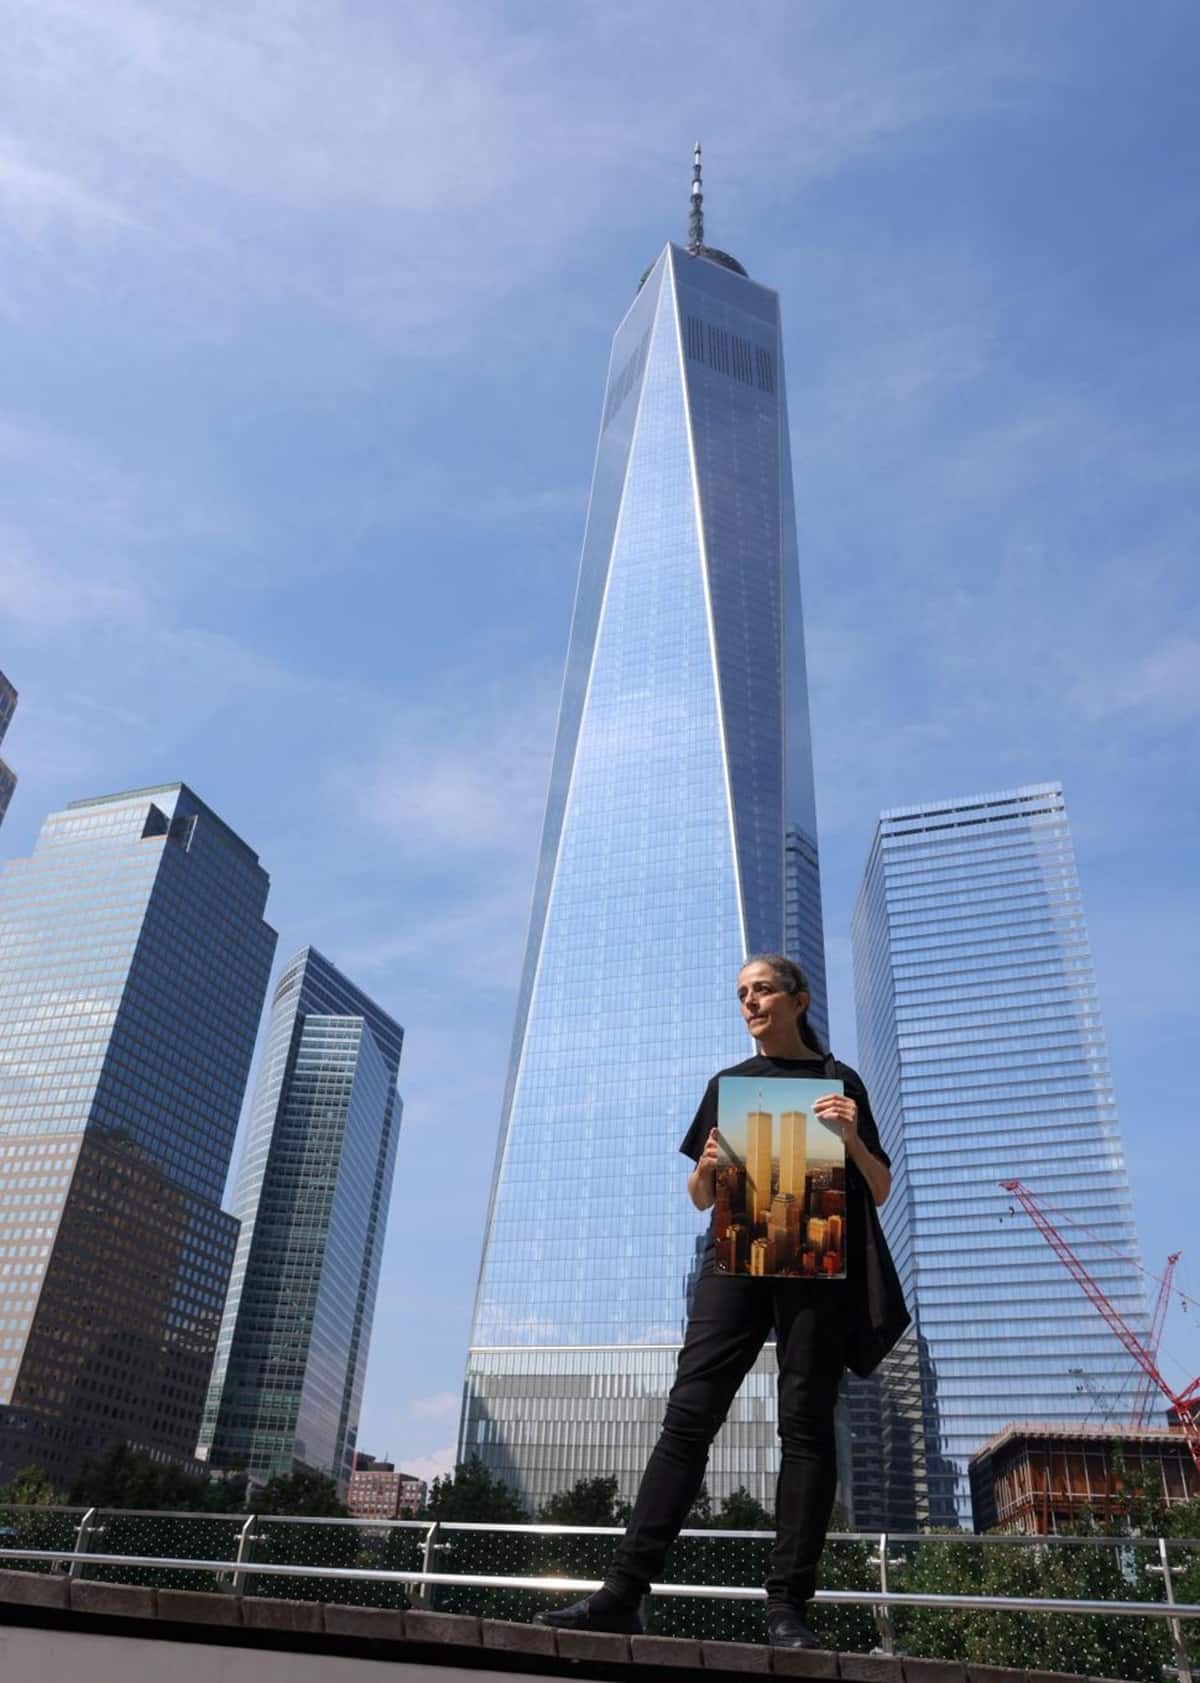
{"points": [[786, 1629], [580, 1615]]}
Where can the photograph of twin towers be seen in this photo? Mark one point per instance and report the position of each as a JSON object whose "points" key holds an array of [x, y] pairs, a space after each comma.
{"points": [[781, 1180]]}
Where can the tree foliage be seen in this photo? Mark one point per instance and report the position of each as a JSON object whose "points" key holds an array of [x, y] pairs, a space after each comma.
{"points": [[589, 1501], [127, 1478], [30, 1488], [470, 1492], [740, 1511], [304, 1493], [699, 1516]]}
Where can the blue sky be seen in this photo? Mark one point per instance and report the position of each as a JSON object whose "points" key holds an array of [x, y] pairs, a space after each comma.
{"points": [[305, 313]]}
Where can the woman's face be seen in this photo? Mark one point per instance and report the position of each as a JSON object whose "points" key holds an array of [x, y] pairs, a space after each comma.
{"points": [[770, 1012]]}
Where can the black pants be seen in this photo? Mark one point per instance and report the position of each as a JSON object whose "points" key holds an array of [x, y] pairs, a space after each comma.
{"points": [[731, 1319]]}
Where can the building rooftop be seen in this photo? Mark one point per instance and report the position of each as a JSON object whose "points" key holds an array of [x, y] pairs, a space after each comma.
{"points": [[1081, 1432]]}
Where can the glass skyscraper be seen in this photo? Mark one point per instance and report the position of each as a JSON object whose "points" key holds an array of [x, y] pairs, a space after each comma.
{"points": [[135, 961], [313, 1189], [679, 835], [8, 779], [980, 1038]]}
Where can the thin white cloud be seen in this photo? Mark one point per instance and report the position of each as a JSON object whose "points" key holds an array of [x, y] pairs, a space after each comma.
{"points": [[428, 1467], [1158, 688], [49, 599], [447, 157], [463, 773], [37, 199]]}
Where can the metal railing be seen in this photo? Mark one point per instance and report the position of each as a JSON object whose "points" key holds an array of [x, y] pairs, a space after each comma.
{"points": [[429, 1538]]}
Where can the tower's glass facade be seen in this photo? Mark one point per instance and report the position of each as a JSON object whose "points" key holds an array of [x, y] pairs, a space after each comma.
{"points": [[682, 761], [980, 1037], [135, 961], [312, 1196], [8, 778]]}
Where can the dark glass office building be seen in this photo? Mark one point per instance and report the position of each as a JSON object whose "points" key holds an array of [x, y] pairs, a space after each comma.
{"points": [[312, 1196], [980, 1037], [679, 836], [135, 961], [8, 778]]}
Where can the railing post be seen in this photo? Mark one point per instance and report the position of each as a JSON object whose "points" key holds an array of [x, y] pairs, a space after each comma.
{"points": [[84, 1532], [424, 1592], [247, 1537], [883, 1614], [1182, 1669]]}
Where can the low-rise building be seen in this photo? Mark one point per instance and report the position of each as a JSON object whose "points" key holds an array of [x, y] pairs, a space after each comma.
{"points": [[378, 1491], [1042, 1478]]}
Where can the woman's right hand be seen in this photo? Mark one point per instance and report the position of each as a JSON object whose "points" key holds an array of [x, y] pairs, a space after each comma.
{"points": [[702, 1182]]}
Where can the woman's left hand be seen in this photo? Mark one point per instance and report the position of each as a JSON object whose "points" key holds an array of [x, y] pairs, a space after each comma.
{"points": [[840, 1113]]}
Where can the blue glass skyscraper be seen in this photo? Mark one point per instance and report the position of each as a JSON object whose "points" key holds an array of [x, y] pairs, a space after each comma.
{"points": [[980, 1038], [135, 961], [682, 764], [313, 1189]]}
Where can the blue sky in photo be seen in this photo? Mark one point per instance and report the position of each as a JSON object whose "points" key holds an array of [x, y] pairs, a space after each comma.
{"points": [[739, 1094], [305, 313]]}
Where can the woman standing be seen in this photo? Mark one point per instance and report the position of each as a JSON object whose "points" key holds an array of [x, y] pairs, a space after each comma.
{"points": [[820, 1328]]}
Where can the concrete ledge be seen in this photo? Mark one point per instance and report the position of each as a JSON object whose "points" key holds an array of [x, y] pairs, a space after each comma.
{"points": [[872, 1668], [459, 1629], [664, 1650], [33, 1589], [508, 1637], [200, 1607], [265, 1612], [380, 1624], [126, 1601], [48, 1600], [736, 1656], [933, 1671], [804, 1662], [593, 1645]]}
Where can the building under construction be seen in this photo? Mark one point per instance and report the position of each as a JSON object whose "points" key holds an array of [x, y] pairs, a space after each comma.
{"points": [[1042, 1479]]}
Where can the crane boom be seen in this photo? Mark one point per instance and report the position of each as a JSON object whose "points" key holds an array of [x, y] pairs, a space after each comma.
{"points": [[1141, 1401], [1184, 1403]]}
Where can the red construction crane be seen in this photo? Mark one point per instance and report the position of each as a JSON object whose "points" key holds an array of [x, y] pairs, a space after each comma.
{"points": [[1186, 1401], [1141, 1401]]}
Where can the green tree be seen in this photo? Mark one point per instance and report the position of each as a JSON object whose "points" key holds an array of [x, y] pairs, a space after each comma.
{"points": [[845, 1566], [936, 1568], [30, 1488], [127, 1478], [304, 1493], [740, 1511], [589, 1501], [699, 1515], [471, 1493]]}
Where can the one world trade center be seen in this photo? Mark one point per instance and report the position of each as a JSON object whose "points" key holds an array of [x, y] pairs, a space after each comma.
{"points": [[679, 836]]}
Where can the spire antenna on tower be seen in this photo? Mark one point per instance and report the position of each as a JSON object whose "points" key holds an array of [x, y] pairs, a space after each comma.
{"points": [[696, 220]]}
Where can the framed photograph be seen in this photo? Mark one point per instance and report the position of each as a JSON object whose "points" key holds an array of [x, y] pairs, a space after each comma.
{"points": [[781, 1180]]}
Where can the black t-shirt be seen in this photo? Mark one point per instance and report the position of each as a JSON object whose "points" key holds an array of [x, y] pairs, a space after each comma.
{"points": [[813, 1068]]}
